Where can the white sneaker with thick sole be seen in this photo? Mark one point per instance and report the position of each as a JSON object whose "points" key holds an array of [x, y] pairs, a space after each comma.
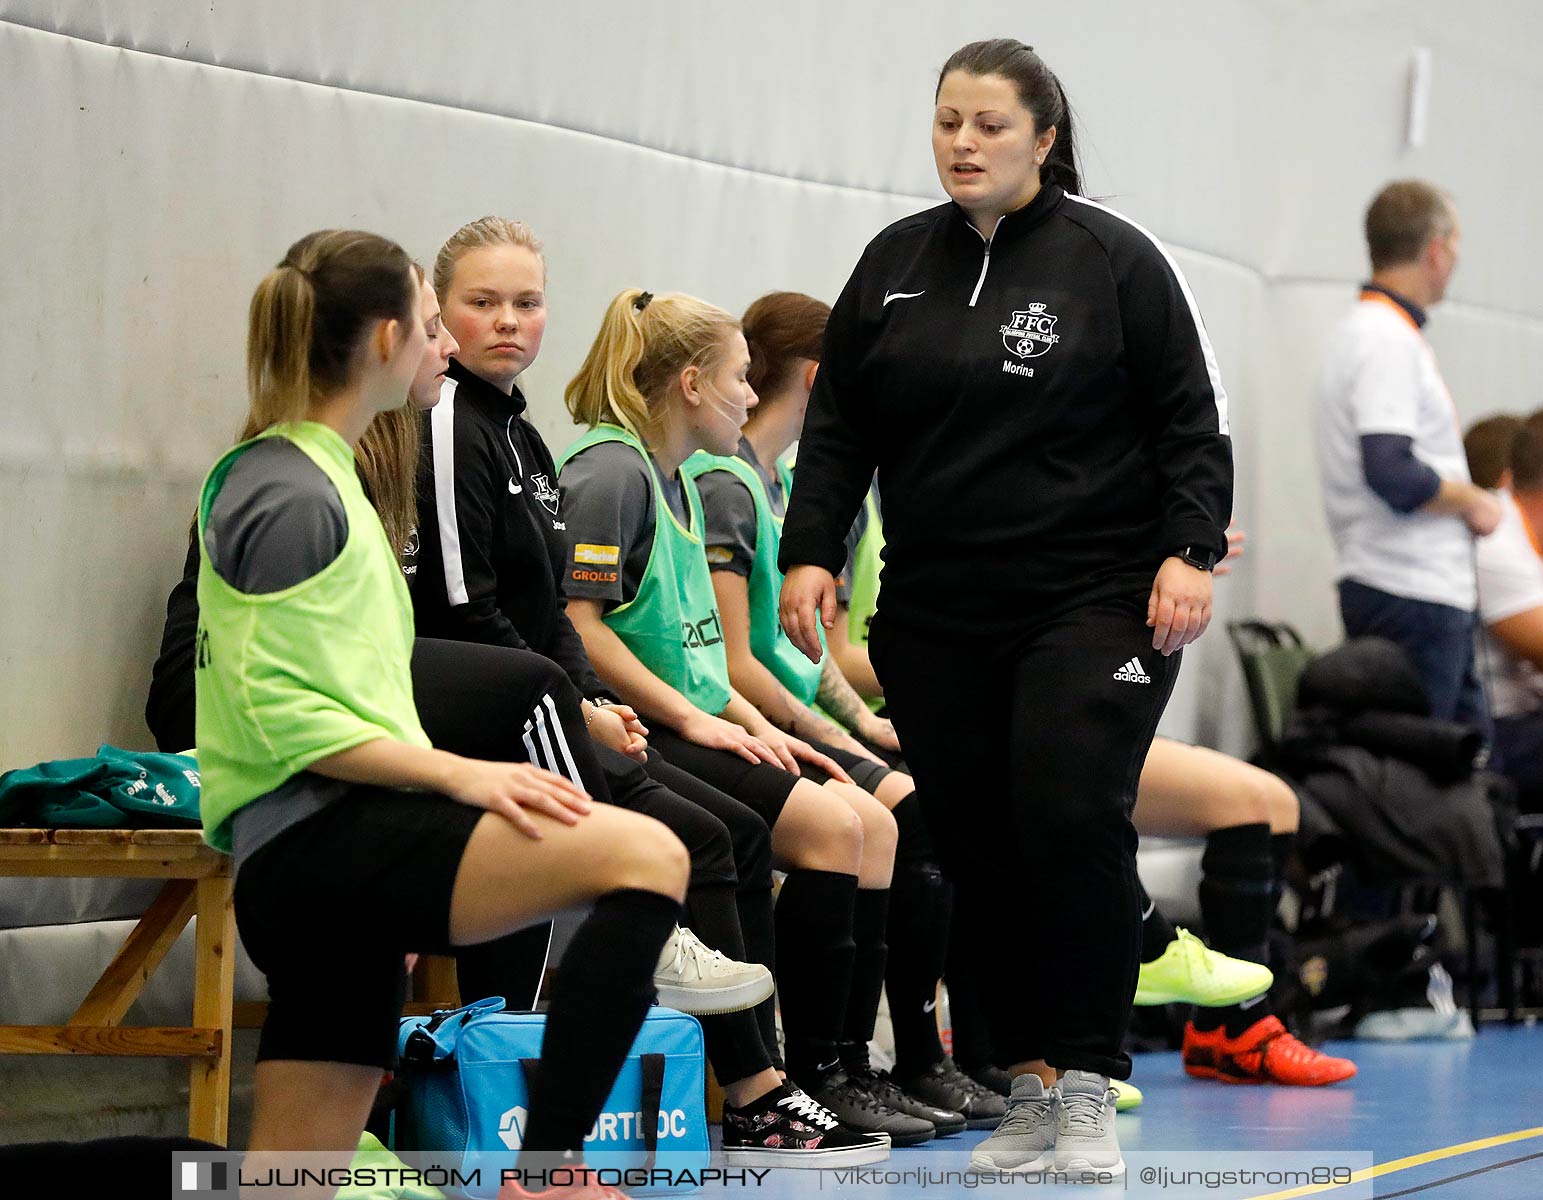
{"points": [[1085, 1140], [703, 982]]}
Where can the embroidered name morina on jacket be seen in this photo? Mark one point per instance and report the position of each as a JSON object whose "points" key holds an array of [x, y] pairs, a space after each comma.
{"points": [[1043, 408]]}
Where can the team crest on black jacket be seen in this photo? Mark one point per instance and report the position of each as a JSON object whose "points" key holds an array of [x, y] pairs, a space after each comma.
{"points": [[1031, 332], [548, 495]]}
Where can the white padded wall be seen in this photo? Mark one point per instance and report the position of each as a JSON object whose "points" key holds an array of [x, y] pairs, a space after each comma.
{"points": [[157, 157]]}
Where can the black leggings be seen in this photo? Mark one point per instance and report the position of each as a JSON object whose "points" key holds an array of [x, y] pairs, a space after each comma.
{"points": [[507, 705], [1027, 752]]}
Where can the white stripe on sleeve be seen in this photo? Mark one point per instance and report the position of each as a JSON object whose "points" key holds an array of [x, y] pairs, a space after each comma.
{"points": [[1219, 393], [442, 422]]}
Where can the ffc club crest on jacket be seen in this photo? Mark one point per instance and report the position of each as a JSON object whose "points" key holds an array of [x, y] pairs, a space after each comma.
{"points": [[1031, 332]]}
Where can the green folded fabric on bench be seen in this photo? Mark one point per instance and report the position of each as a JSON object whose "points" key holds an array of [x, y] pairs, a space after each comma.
{"points": [[118, 789]]}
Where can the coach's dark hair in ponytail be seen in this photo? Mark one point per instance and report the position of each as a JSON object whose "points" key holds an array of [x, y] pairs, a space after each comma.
{"points": [[1039, 91]]}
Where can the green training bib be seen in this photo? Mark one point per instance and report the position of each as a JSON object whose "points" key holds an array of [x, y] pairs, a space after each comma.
{"points": [[672, 623], [285, 678], [867, 562], [768, 642]]}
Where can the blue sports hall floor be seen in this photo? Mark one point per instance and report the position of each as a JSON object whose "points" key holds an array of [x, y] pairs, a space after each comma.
{"points": [[1438, 1120]]}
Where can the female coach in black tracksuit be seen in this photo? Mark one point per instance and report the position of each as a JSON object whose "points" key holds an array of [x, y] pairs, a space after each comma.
{"points": [[1028, 373]]}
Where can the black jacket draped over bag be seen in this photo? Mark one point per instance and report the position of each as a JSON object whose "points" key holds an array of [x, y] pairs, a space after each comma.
{"points": [[1385, 787]]}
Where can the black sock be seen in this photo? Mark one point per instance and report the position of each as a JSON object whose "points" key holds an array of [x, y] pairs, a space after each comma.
{"points": [[1156, 930], [1237, 890], [509, 966], [599, 999], [920, 901], [1237, 902], [814, 968], [870, 916], [1236, 1017], [756, 924], [734, 1041]]}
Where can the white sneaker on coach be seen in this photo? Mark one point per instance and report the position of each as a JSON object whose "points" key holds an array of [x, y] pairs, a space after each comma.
{"points": [[703, 982]]}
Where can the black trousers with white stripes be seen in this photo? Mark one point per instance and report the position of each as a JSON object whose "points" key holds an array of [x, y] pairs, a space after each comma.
{"points": [[507, 705], [1027, 752]]}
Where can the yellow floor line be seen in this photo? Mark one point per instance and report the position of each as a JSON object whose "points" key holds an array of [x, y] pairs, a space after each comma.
{"points": [[1403, 1164]]}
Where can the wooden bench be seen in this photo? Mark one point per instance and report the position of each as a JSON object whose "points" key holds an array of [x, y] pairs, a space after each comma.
{"points": [[198, 883]]}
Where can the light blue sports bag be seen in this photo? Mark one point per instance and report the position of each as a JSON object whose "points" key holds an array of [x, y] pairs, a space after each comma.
{"points": [[467, 1074]]}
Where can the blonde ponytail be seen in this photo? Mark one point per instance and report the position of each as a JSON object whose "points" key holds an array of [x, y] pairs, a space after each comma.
{"points": [[278, 346], [283, 346], [309, 313], [645, 342], [605, 389]]}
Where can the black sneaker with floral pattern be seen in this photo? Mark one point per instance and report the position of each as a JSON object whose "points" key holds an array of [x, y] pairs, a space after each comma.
{"points": [[785, 1128]]}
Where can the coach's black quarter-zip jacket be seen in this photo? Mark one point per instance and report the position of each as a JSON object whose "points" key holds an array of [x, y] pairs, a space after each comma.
{"points": [[1043, 409], [493, 545]]}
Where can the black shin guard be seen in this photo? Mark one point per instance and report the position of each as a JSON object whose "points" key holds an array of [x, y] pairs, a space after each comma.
{"points": [[870, 916], [1237, 903], [601, 995], [1237, 890], [920, 905], [814, 967]]}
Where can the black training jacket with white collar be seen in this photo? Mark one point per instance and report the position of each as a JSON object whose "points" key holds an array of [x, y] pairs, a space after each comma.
{"points": [[493, 545], [1044, 411]]}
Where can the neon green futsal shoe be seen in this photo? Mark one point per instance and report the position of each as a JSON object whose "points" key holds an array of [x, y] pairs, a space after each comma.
{"points": [[1190, 972], [1126, 1095]]}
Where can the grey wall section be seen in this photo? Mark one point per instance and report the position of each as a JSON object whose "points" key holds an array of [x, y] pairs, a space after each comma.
{"points": [[159, 156]]}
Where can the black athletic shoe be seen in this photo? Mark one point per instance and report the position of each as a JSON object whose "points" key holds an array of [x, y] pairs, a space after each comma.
{"points": [[943, 1084], [998, 1080], [945, 1121], [785, 1128], [859, 1109]]}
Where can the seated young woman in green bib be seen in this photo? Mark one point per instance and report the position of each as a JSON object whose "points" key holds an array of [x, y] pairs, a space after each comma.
{"points": [[664, 378], [354, 840], [744, 495]]}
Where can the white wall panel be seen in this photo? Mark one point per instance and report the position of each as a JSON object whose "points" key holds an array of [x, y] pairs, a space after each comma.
{"points": [[838, 93], [157, 157], [153, 201]]}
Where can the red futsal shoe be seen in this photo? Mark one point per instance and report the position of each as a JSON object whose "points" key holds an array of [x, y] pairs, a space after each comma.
{"points": [[1262, 1053]]}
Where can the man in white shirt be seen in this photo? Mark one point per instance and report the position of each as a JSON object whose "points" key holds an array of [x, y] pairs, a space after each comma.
{"points": [[1510, 577], [1400, 504]]}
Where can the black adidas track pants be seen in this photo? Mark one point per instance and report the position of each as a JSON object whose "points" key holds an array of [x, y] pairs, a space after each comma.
{"points": [[1027, 752]]}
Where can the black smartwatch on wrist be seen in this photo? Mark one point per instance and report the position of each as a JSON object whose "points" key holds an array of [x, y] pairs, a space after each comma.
{"points": [[1202, 558]]}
